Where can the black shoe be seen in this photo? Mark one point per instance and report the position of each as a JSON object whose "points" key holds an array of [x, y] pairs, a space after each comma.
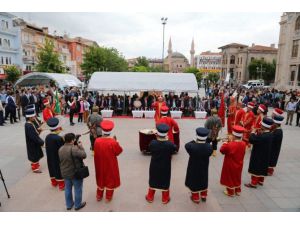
{"points": [[203, 199], [72, 124], [249, 185], [80, 207], [71, 207]]}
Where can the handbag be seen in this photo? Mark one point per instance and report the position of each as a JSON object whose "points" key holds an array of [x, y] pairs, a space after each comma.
{"points": [[82, 172]]}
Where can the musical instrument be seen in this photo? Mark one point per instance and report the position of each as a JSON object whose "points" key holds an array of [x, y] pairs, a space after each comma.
{"points": [[137, 103]]}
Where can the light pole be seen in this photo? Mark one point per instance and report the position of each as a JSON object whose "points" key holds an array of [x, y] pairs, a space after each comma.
{"points": [[261, 70], [163, 22]]}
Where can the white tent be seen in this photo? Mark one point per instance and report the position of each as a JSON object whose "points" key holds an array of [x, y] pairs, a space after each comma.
{"points": [[39, 78], [142, 81]]}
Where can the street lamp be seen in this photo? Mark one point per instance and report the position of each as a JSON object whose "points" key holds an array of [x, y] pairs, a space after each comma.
{"points": [[163, 22]]}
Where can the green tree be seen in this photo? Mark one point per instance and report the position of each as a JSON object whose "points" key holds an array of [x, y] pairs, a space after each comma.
{"points": [[142, 61], [102, 59], [193, 70], [13, 73], [156, 69], [213, 77], [268, 69], [140, 69], [48, 59]]}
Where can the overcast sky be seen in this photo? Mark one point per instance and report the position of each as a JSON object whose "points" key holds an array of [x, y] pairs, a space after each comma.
{"points": [[140, 34]]}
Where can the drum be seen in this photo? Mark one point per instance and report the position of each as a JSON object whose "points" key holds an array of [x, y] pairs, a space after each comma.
{"points": [[146, 136], [137, 104]]}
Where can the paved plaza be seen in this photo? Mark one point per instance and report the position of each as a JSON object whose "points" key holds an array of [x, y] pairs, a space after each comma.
{"points": [[33, 192]]}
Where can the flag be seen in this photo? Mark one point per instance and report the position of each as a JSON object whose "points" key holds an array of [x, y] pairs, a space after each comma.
{"points": [[57, 105]]}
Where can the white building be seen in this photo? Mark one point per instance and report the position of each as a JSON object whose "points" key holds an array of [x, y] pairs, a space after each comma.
{"points": [[288, 59], [209, 62]]}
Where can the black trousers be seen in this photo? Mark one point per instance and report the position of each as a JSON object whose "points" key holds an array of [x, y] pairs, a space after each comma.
{"points": [[80, 117], [1, 118], [297, 119], [72, 111]]}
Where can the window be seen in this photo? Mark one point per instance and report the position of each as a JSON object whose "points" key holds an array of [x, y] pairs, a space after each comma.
{"points": [[2, 60], [8, 43], [241, 60], [238, 61], [6, 60], [295, 48], [297, 26], [9, 60], [78, 48], [232, 59]]}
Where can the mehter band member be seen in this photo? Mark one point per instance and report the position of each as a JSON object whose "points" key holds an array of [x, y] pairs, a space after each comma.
{"points": [[197, 171], [260, 154], [173, 126], [276, 144], [33, 141], [106, 150], [234, 152], [160, 165], [53, 142]]}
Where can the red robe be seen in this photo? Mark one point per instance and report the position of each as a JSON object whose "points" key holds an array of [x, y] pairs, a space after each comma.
{"points": [[231, 117], [173, 126], [47, 114], [247, 121], [257, 121], [106, 150], [157, 106], [234, 152], [238, 116], [221, 111]]}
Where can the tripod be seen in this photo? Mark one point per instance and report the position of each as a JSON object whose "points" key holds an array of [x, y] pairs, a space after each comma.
{"points": [[2, 178]]}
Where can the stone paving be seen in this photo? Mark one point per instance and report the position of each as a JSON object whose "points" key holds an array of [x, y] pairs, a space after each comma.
{"points": [[33, 192]]}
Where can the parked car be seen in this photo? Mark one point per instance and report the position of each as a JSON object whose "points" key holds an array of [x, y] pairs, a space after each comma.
{"points": [[254, 84]]}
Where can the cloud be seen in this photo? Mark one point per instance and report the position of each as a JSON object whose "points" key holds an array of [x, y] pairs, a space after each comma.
{"points": [[137, 34]]}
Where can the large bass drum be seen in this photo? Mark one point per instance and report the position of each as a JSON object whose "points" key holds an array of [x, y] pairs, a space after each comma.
{"points": [[137, 104]]}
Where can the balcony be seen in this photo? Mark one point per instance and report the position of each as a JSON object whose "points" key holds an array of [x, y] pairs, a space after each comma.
{"points": [[7, 31], [28, 59], [8, 49]]}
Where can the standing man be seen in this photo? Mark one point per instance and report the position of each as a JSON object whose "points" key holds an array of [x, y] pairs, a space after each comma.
{"points": [[298, 112], [234, 152], [214, 124], [93, 123], [33, 142], [290, 109], [197, 171], [24, 101], [231, 114], [72, 105], [157, 106], [276, 144], [48, 110], [247, 122], [11, 107], [71, 156], [262, 109], [53, 143], [173, 126], [106, 163], [160, 165], [239, 114], [260, 154]]}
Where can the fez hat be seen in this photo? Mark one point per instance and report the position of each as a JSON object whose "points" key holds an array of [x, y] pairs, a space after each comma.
{"points": [[202, 133], [164, 110], [238, 131], [262, 107], [267, 122], [46, 101], [250, 105], [53, 123], [162, 129], [30, 113], [107, 126], [278, 111], [278, 119]]}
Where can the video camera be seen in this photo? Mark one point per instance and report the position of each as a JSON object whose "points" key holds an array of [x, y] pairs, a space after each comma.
{"points": [[77, 136]]}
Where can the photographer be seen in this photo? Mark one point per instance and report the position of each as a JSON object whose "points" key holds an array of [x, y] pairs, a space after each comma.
{"points": [[71, 156]]}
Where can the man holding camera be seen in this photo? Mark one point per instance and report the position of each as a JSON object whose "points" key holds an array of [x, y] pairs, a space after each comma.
{"points": [[71, 156]]}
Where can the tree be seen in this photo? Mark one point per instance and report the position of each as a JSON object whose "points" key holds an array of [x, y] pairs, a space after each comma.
{"points": [[140, 69], [13, 73], [102, 59], [268, 73], [48, 59], [213, 77], [142, 61]]}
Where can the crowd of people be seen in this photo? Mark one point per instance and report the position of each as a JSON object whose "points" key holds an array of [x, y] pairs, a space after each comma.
{"points": [[248, 127]]}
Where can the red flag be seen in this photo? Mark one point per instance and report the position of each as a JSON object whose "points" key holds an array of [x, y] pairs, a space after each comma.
{"points": [[221, 112]]}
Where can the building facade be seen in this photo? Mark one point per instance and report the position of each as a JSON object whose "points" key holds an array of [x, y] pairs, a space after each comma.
{"points": [[237, 57], [209, 62], [288, 60], [10, 43]]}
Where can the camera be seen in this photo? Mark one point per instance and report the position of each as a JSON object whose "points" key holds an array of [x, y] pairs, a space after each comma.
{"points": [[77, 136]]}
